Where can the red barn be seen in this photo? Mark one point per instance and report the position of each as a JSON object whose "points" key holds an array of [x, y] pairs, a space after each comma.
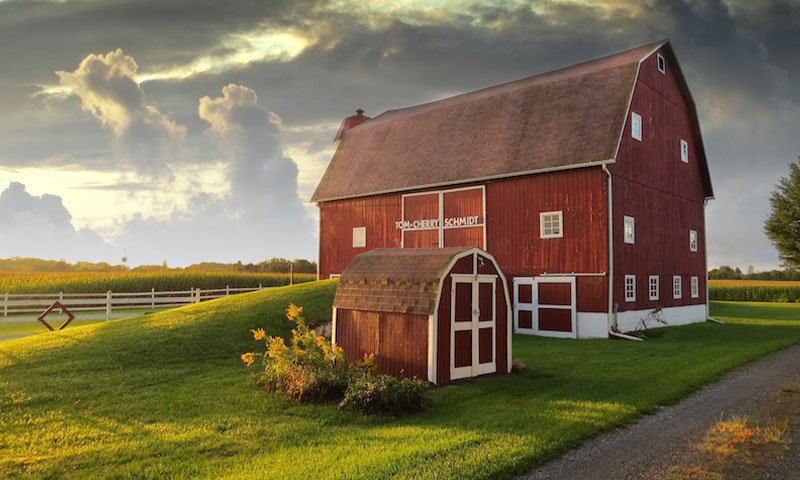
{"points": [[587, 184]]}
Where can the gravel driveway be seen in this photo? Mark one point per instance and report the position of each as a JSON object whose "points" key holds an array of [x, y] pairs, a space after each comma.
{"points": [[646, 449]]}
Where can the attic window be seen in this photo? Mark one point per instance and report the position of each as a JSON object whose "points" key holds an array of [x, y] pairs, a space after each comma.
{"points": [[684, 151], [693, 240], [662, 65], [629, 229], [636, 126]]}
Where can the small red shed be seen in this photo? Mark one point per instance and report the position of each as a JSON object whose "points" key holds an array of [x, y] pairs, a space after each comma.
{"points": [[435, 313]]}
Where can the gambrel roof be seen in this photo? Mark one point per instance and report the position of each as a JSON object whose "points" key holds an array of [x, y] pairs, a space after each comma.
{"points": [[563, 119]]}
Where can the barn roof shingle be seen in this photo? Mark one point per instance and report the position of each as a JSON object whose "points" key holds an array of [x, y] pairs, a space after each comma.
{"points": [[395, 280], [562, 119]]}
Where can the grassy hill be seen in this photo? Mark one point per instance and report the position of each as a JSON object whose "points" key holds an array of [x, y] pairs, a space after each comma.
{"points": [[166, 396]]}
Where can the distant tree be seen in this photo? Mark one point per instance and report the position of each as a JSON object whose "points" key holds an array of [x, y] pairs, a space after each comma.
{"points": [[783, 224], [751, 270]]}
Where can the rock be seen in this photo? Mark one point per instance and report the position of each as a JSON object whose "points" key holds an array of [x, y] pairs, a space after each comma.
{"points": [[518, 364]]}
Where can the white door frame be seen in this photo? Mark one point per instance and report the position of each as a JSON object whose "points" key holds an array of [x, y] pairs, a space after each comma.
{"points": [[534, 306], [475, 325]]}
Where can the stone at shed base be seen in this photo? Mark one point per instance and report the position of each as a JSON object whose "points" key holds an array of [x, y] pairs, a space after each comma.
{"points": [[324, 330], [518, 365]]}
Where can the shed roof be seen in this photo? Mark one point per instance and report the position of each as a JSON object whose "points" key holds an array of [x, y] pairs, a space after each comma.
{"points": [[562, 119], [396, 280]]}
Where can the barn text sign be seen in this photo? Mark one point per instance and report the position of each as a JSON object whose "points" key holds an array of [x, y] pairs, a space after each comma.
{"points": [[471, 220]]}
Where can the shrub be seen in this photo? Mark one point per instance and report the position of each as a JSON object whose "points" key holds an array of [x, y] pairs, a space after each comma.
{"points": [[308, 369], [372, 394]]}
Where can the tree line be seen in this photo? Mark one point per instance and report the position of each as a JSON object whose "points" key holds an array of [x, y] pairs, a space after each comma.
{"points": [[37, 265]]}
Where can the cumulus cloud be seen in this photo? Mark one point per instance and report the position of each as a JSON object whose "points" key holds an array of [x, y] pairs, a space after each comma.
{"points": [[108, 89], [40, 226]]}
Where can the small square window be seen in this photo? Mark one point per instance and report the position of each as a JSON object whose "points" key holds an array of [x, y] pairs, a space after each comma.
{"points": [[653, 287], [359, 237], [551, 225], [684, 151], [676, 287], [636, 126], [692, 240], [662, 65], [629, 230], [630, 288], [335, 275], [695, 287]]}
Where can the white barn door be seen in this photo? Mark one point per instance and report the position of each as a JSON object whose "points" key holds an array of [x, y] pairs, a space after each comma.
{"points": [[545, 306]]}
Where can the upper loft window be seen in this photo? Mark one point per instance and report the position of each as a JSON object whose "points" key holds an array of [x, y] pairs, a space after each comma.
{"points": [[662, 65], [636, 126], [692, 240], [629, 231], [359, 237], [551, 225], [684, 151]]}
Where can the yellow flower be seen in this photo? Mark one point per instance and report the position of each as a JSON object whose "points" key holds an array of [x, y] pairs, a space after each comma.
{"points": [[248, 358], [259, 334], [293, 311]]}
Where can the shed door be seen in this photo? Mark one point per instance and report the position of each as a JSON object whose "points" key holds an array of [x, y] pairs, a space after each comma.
{"points": [[545, 306], [473, 326]]}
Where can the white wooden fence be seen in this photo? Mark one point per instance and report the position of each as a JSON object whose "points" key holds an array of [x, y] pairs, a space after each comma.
{"points": [[20, 307]]}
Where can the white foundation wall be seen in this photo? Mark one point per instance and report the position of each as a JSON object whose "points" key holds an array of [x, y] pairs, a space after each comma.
{"points": [[683, 315], [592, 325]]}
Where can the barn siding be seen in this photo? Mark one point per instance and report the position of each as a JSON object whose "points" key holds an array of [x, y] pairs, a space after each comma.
{"points": [[399, 341], [664, 195]]}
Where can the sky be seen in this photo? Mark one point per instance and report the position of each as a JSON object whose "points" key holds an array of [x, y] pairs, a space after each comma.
{"points": [[194, 130]]}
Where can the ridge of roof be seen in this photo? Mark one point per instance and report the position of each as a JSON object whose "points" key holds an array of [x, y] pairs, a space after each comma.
{"points": [[636, 54]]}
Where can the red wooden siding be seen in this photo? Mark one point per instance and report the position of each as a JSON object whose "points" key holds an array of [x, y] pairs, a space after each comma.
{"points": [[555, 294], [337, 220], [399, 341], [664, 195], [555, 319]]}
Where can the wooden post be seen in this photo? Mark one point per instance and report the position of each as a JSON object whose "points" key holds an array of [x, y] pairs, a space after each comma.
{"points": [[108, 305], [259, 286], [153, 298], [60, 296], [227, 290], [291, 273], [5, 305], [197, 295]]}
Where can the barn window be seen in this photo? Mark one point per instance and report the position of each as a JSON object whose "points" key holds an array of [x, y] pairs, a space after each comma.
{"points": [[676, 286], [684, 151], [335, 275], [662, 65], [630, 288], [653, 287], [693, 240], [629, 234], [359, 237], [636, 126], [551, 225], [695, 287]]}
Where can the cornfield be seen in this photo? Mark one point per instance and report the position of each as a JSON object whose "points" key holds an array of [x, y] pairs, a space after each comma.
{"points": [[754, 290], [139, 282]]}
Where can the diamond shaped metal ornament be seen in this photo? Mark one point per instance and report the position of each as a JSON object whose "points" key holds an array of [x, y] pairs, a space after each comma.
{"points": [[56, 305]]}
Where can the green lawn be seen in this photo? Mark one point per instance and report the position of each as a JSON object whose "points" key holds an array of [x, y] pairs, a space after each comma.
{"points": [[55, 319], [166, 396]]}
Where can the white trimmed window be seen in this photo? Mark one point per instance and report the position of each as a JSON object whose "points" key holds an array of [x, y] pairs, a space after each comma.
{"points": [[653, 287], [692, 240], [551, 225], [629, 234], [662, 65], [684, 151], [695, 287], [359, 237], [630, 288], [636, 126], [335, 275], [676, 286]]}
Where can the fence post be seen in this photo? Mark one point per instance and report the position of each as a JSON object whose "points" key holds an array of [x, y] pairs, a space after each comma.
{"points": [[259, 286], [108, 305], [5, 305], [227, 290], [153, 298], [197, 295], [60, 296], [291, 273]]}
